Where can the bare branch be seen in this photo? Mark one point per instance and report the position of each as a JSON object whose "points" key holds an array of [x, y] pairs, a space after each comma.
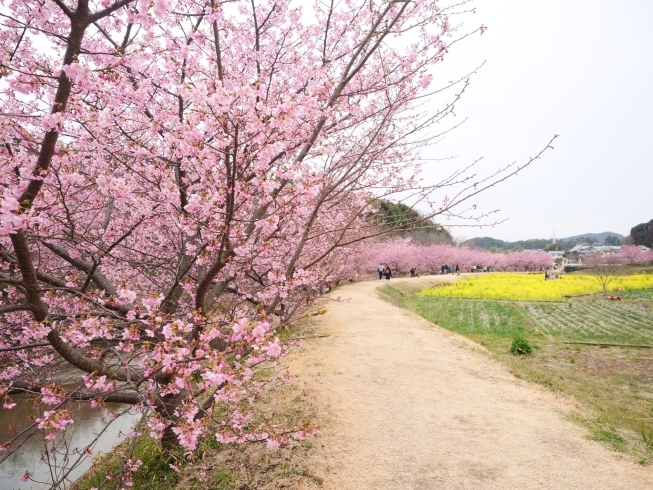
{"points": [[109, 10], [89, 267], [64, 8], [17, 307]]}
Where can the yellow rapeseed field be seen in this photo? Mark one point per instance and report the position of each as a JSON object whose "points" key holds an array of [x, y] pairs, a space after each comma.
{"points": [[533, 287]]}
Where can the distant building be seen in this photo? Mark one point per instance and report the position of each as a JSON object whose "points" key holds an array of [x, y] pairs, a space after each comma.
{"points": [[606, 249], [556, 254], [586, 249], [580, 249]]}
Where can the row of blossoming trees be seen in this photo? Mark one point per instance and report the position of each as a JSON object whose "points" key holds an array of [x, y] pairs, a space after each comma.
{"points": [[173, 173], [401, 255]]}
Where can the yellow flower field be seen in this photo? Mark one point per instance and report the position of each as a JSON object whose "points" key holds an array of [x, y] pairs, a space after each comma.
{"points": [[533, 287]]}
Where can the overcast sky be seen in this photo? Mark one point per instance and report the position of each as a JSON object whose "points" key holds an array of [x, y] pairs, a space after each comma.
{"points": [[582, 69]]}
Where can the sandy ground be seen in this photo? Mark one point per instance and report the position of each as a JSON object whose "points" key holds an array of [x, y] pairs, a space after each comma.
{"points": [[412, 406]]}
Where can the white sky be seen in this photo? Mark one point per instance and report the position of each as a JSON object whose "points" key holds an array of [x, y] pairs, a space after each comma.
{"points": [[582, 69]]}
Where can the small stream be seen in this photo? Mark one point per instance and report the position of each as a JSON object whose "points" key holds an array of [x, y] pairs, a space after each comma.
{"points": [[88, 424]]}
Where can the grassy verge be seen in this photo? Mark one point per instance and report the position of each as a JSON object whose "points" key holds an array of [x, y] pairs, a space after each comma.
{"points": [[218, 466], [613, 383], [642, 294]]}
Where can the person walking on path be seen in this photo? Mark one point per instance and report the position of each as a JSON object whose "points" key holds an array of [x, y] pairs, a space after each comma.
{"points": [[388, 273], [381, 270]]}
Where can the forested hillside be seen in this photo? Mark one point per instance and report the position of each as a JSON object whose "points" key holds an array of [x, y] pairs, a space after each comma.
{"points": [[409, 223]]}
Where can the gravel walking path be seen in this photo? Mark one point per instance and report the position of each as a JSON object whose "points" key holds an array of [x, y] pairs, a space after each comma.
{"points": [[412, 406]]}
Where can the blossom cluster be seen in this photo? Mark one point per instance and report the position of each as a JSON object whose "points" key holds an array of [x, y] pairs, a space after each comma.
{"points": [[53, 421]]}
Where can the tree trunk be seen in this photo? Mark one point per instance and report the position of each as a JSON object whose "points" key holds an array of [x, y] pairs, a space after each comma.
{"points": [[169, 441], [167, 409]]}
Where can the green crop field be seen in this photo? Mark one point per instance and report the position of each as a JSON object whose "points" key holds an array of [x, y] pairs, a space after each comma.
{"points": [[645, 294], [470, 317], [625, 322], [609, 321]]}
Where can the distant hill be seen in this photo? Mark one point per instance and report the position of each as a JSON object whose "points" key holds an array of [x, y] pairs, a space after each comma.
{"points": [[489, 243], [494, 243], [599, 237]]}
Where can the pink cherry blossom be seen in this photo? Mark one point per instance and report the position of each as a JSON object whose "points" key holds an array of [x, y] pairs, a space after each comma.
{"points": [[54, 421], [272, 444], [274, 349], [8, 404]]}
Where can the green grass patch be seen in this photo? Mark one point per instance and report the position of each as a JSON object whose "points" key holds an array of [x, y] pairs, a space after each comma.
{"points": [[393, 294], [601, 430], [647, 437], [476, 318], [521, 347], [156, 472]]}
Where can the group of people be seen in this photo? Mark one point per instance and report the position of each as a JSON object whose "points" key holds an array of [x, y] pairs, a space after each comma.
{"points": [[549, 272], [384, 271], [445, 269], [549, 276], [532, 270], [481, 268]]}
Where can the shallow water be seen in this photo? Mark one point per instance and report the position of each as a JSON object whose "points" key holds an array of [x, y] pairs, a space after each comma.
{"points": [[89, 422]]}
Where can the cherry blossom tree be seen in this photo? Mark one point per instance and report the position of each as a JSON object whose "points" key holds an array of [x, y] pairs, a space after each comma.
{"points": [[632, 254], [399, 254], [174, 173]]}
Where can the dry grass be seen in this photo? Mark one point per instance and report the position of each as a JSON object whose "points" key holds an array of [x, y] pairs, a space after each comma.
{"points": [[252, 466], [613, 384]]}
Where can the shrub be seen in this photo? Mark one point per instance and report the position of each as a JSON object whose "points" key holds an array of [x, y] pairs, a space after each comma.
{"points": [[521, 347]]}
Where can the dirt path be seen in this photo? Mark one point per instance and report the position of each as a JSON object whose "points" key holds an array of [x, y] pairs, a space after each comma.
{"points": [[412, 406]]}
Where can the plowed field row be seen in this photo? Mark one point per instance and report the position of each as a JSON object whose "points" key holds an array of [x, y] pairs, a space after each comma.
{"points": [[593, 320]]}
